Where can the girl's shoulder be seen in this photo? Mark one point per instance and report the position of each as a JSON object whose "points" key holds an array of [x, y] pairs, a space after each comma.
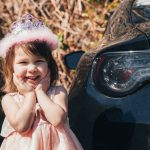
{"points": [[56, 91], [9, 96]]}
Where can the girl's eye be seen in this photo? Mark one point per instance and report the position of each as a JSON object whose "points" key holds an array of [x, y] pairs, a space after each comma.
{"points": [[23, 62], [39, 61]]}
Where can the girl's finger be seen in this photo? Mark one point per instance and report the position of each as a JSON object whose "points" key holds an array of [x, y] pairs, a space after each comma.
{"points": [[47, 75], [39, 86]]}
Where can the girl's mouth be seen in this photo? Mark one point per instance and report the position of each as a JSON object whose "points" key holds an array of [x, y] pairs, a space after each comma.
{"points": [[32, 79]]}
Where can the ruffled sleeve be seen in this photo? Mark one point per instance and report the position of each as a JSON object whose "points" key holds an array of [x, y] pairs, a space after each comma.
{"points": [[6, 129]]}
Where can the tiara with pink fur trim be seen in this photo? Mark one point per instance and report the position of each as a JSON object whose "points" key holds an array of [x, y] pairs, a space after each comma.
{"points": [[27, 29]]}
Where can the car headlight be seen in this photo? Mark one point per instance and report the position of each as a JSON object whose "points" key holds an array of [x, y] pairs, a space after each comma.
{"points": [[121, 73]]}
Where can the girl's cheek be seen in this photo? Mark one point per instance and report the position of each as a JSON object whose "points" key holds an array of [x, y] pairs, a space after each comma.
{"points": [[19, 76], [19, 73]]}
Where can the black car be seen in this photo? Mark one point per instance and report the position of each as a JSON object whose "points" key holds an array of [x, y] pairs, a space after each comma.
{"points": [[109, 101]]}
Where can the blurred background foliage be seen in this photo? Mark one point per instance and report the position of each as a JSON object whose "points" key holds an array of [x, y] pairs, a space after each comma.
{"points": [[79, 24]]}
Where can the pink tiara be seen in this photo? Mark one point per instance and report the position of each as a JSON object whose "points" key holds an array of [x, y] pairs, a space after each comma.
{"points": [[27, 29]]}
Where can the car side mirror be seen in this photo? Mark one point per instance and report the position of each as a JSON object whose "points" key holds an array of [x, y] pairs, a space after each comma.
{"points": [[71, 60]]}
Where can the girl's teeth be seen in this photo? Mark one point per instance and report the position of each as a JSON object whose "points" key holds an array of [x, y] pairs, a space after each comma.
{"points": [[32, 78]]}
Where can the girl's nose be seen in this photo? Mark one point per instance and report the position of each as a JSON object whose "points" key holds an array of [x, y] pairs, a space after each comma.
{"points": [[32, 68]]}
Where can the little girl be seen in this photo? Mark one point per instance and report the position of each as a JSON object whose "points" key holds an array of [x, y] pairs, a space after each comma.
{"points": [[35, 109]]}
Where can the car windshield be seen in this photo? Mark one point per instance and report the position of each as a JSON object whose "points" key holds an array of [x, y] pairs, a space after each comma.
{"points": [[141, 11]]}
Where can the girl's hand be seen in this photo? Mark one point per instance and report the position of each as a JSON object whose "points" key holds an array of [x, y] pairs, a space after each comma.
{"points": [[44, 83], [22, 86]]}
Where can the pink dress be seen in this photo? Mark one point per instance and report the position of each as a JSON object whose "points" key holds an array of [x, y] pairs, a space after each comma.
{"points": [[42, 136]]}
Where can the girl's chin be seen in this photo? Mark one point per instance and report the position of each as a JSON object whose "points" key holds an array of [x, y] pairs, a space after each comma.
{"points": [[32, 84]]}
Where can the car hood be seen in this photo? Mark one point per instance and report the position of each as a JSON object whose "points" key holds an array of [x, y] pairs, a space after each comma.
{"points": [[123, 25]]}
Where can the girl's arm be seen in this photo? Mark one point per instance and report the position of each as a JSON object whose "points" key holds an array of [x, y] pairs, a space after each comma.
{"points": [[20, 118], [55, 111]]}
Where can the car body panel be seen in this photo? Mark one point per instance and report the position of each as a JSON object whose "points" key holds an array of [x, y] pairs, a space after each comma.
{"points": [[102, 121]]}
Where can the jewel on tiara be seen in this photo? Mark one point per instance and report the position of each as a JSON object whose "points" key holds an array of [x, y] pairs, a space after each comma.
{"points": [[26, 22]]}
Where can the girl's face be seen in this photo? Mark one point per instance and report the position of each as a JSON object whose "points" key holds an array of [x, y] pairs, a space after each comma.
{"points": [[30, 68]]}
